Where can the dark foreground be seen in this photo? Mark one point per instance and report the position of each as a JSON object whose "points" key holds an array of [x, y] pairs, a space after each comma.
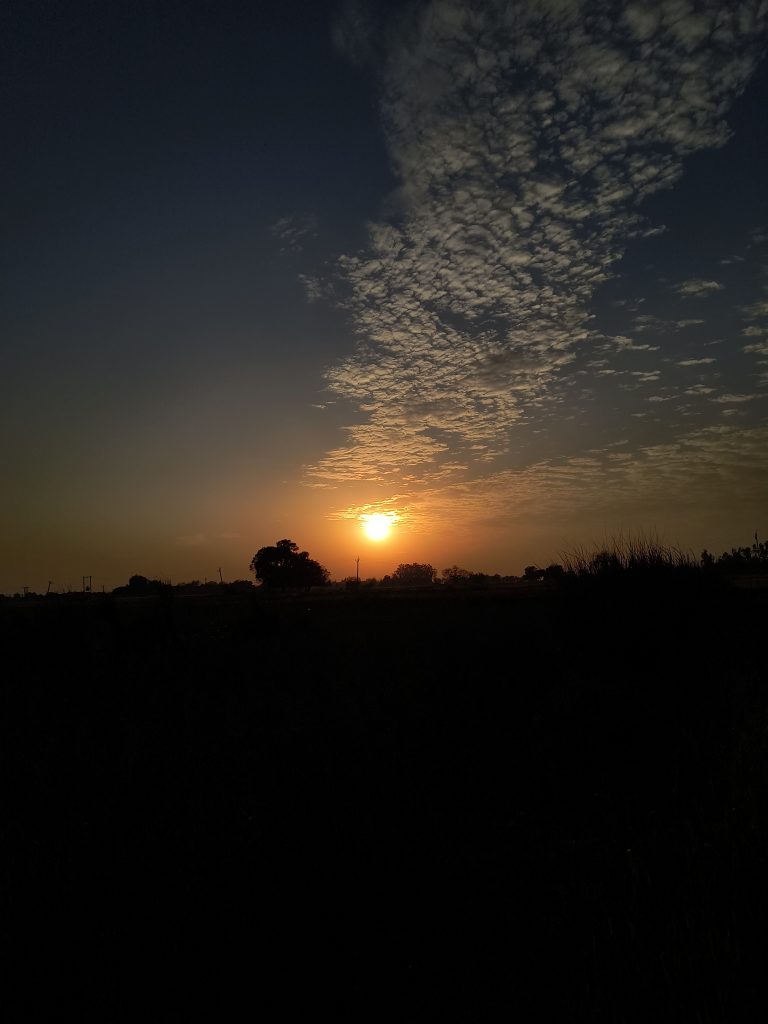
{"points": [[382, 804]]}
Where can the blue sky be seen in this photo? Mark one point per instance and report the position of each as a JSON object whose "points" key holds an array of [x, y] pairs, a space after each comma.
{"points": [[501, 270]]}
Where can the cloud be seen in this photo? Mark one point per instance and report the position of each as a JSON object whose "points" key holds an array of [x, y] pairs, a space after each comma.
{"points": [[623, 344], [649, 322], [643, 20], [696, 362], [697, 288], [685, 473], [294, 230], [731, 399], [314, 289], [756, 310], [524, 137]]}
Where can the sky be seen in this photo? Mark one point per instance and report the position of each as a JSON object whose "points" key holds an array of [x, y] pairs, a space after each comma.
{"points": [[498, 270]]}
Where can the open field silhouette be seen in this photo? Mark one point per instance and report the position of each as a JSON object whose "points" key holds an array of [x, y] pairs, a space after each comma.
{"points": [[513, 799]]}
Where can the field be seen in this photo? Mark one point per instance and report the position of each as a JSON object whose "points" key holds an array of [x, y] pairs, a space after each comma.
{"points": [[484, 803]]}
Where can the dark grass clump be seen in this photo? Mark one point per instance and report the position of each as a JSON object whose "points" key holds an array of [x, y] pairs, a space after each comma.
{"points": [[632, 559]]}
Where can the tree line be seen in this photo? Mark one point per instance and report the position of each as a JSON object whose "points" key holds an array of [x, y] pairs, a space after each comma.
{"points": [[284, 566]]}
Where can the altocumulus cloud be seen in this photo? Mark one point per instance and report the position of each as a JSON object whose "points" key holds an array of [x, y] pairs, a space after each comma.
{"points": [[688, 472], [696, 288], [524, 136]]}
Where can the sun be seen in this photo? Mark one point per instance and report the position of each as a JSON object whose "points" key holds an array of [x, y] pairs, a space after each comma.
{"points": [[376, 526]]}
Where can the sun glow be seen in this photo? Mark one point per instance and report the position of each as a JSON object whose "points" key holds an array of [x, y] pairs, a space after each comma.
{"points": [[376, 525]]}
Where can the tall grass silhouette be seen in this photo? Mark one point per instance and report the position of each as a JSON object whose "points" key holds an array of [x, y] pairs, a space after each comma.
{"points": [[630, 556]]}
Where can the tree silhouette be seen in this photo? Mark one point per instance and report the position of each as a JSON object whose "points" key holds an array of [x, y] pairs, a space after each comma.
{"points": [[454, 575], [413, 574], [554, 573], [283, 565], [745, 560], [533, 573]]}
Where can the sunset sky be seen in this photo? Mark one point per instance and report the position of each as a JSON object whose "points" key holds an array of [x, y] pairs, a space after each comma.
{"points": [[499, 269]]}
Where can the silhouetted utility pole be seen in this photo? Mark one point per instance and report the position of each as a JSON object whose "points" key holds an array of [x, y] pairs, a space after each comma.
{"points": [[357, 569], [50, 584], [221, 578], [87, 590]]}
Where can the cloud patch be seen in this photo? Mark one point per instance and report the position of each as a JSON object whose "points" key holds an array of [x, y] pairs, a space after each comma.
{"points": [[525, 138], [697, 288], [294, 231]]}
